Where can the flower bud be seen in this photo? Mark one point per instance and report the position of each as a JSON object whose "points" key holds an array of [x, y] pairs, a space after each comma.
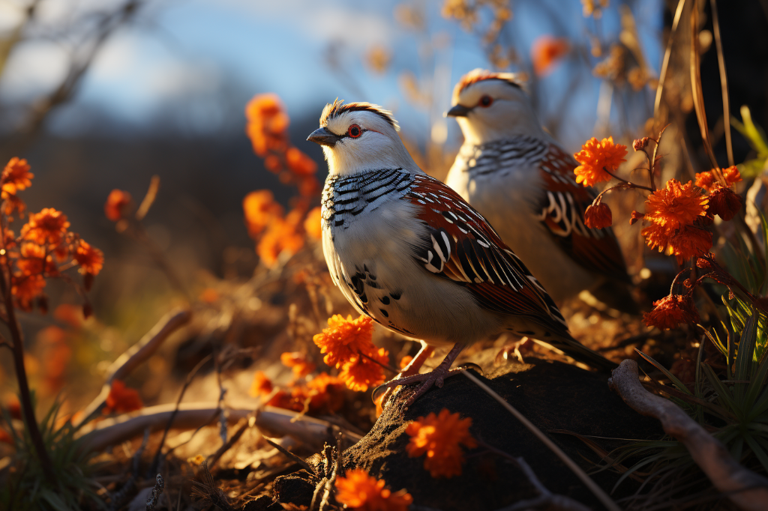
{"points": [[724, 203], [640, 143], [598, 216], [635, 217]]}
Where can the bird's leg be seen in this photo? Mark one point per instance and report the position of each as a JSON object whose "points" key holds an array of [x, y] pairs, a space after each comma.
{"points": [[412, 368], [435, 377]]}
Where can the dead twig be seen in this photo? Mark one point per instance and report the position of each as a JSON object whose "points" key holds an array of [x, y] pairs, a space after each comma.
{"points": [[743, 487], [276, 422]]}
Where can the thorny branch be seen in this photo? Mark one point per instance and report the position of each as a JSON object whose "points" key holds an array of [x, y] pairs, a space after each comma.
{"points": [[743, 487]]}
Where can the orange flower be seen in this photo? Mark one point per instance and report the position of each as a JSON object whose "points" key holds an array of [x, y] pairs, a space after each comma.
{"points": [[313, 224], [13, 203], [282, 235], [672, 310], [117, 203], [31, 259], [405, 361], [598, 216], [344, 339], [260, 210], [90, 259], [689, 242], [546, 52], [267, 123], [708, 181], [122, 399], [361, 372], [301, 366], [48, 226], [358, 490], [596, 156], [261, 386], [15, 177], [26, 288], [675, 205], [326, 393], [300, 163], [724, 203], [440, 437]]}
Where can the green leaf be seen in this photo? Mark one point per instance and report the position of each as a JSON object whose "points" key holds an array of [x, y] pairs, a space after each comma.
{"points": [[751, 132], [757, 450], [677, 383], [723, 394]]}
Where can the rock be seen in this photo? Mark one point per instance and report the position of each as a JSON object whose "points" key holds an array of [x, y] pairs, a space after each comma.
{"points": [[552, 395]]}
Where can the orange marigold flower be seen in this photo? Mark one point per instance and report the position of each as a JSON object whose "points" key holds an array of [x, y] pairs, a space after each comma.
{"points": [[344, 339], [675, 205], [48, 226], [709, 182], [440, 437], [360, 372], [122, 399], [689, 242], [15, 177], [298, 362], [358, 490], [547, 51], [261, 386], [282, 235], [672, 310], [90, 259], [594, 157], [313, 224], [300, 163], [326, 393], [598, 216], [26, 288], [724, 203], [117, 204]]}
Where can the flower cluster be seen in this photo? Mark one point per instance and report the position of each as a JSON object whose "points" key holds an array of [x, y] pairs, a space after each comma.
{"points": [[347, 345], [595, 158], [321, 394], [440, 437], [677, 217], [275, 231], [357, 490], [45, 247]]}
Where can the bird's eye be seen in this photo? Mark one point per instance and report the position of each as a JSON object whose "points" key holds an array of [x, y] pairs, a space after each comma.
{"points": [[354, 131], [486, 101]]}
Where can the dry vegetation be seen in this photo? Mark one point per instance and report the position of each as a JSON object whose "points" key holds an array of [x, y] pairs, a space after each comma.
{"points": [[250, 376]]}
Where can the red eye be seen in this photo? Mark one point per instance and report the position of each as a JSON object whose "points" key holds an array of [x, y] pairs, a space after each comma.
{"points": [[354, 131], [486, 101]]}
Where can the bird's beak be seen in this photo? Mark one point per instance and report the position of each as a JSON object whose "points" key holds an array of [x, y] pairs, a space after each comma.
{"points": [[323, 136], [458, 111]]}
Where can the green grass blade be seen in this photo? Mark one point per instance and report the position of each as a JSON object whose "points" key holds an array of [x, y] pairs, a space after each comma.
{"points": [[676, 382]]}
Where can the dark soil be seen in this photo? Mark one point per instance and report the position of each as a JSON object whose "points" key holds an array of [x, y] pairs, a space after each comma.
{"points": [[552, 395]]}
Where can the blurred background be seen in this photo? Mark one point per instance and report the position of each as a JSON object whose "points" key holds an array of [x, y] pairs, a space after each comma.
{"points": [[100, 95]]}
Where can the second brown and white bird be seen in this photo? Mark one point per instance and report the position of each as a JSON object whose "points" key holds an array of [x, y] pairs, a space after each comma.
{"points": [[410, 253], [522, 181]]}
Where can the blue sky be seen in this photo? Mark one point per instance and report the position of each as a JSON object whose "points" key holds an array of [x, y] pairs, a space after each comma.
{"points": [[198, 54]]}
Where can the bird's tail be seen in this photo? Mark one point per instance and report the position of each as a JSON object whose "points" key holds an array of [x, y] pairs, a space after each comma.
{"points": [[580, 353]]}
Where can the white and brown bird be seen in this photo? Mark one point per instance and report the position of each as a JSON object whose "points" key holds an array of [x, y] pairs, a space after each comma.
{"points": [[522, 181], [409, 252]]}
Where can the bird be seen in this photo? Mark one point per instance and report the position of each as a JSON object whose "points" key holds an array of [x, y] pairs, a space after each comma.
{"points": [[522, 181], [409, 252]]}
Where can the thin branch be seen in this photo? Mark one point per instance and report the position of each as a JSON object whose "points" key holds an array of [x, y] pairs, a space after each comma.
{"points": [[667, 54]]}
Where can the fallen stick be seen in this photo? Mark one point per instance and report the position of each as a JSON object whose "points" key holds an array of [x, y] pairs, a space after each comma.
{"points": [[743, 487], [272, 421], [136, 355]]}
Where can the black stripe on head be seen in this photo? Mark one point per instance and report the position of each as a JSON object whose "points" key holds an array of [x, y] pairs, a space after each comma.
{"points": [[337, 108], [480, 75]]}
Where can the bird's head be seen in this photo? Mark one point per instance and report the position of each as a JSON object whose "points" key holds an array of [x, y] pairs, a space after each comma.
{"points": [[492, 106], [360, 136]]}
